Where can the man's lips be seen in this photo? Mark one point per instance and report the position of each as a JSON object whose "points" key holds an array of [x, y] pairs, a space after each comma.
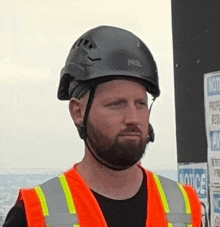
{"points": [[130, 134]]}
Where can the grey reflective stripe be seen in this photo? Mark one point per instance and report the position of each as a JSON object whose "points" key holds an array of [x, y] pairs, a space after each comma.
{"points": [[176, 218], [61, 220], [176, 203], [59, 214]]}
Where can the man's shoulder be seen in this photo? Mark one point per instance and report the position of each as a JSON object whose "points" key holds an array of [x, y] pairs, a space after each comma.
{"points": [[165, 184], [52, 179], [157, 177]]}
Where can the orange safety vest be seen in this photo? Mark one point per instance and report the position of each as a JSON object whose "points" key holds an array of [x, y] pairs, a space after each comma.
{"points": [[43, 202]]}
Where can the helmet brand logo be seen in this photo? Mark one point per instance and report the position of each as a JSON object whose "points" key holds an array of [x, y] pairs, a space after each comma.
{"points": [[134, 62]]}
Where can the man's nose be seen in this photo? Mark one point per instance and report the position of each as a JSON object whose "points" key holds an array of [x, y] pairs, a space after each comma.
{"points": [[131, 115]]}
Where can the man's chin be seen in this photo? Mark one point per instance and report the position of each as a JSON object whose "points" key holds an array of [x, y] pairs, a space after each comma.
{"points": [[125, 159], [120, 167], [129, 147]]}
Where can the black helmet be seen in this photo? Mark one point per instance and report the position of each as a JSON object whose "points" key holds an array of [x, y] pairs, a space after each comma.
{"points": [[107, 52]]}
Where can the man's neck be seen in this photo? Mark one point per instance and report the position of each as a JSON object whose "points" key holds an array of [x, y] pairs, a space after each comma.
{"points": [[117, 185]]}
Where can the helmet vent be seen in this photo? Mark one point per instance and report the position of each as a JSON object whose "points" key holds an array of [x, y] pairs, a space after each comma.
{"points": [[86, 43], [80, 41]]}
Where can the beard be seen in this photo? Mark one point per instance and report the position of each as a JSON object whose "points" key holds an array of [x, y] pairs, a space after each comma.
{"points": [[117, 154]]}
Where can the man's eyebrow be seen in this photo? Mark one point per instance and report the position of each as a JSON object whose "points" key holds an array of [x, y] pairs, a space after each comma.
{"points": [[114, 99]]}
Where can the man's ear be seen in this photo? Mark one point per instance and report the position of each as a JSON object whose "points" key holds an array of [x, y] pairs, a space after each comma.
{"points": [[76, 111]]}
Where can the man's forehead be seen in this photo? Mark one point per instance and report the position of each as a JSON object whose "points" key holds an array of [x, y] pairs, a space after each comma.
{"points": [[112, 88], [117, 85]]}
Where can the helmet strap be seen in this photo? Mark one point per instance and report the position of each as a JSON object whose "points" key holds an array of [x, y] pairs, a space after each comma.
{"points": [[82, 128], [151, 130]]}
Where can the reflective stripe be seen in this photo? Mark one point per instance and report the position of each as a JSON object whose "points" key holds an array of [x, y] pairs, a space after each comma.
{"points": [[56, 197], [174, 196], [175, 202], [61, 220], [67, 194], [176, 217], [162, 194], [188, 209], [42, 200]]}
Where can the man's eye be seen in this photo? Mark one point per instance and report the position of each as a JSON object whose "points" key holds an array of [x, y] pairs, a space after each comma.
{"points": [[116, 104], [142, 103]]}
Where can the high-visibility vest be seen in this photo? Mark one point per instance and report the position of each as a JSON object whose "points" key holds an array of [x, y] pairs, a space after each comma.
{"points": [[67, 201]]}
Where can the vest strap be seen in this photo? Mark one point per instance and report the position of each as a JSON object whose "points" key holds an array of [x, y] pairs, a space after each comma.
{"points": [[175, 202], [57, 203]]}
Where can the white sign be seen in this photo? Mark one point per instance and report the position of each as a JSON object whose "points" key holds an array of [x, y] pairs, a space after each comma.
{"points": [[214, 170], [195, 174], [215, 206], [212, 119]]}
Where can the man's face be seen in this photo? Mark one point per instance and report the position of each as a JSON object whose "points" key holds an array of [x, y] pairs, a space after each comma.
{"points": [[117, 127]]}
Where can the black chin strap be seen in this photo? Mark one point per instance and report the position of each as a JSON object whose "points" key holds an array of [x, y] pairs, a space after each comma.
{"points": [[151, 130], [82, 129]]}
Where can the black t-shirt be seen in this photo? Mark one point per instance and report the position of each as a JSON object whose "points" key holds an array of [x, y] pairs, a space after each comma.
{"points": [[118, 213]]}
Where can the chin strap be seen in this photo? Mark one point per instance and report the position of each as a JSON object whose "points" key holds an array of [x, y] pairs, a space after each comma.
{"points": [[82, 127], [151, 130], [151, 133]]}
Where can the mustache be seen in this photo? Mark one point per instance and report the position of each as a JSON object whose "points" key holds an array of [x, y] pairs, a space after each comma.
{"points": [[130, 129]]}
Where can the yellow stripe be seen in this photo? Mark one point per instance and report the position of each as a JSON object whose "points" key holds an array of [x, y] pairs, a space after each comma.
{"points": [[170, 225], [76, 225], [162, 194], [186, 199], [67, 194], [42, 200], [189, 225]]}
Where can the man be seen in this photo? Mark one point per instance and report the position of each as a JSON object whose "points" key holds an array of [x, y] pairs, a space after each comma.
{"points": [[108, 78]]}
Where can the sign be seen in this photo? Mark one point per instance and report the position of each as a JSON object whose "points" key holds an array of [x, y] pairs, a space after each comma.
{"points": [[214, 170], [194, 174], [216, 202], [215, 206], [212, 119], [214, 137]]}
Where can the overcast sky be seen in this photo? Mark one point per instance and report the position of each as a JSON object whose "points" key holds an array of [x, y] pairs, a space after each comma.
{"points": [[36, 130]]}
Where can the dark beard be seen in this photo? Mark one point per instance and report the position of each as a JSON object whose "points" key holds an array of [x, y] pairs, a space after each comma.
{"points": [[117, 155]]}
